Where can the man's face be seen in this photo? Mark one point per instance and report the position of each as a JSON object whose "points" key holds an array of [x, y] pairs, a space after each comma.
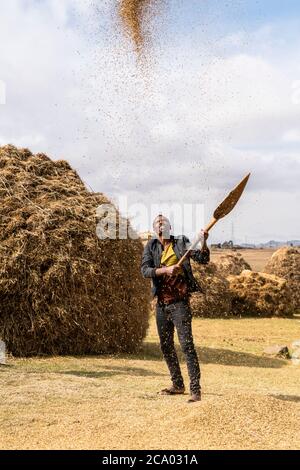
{"points": [[162, 226]]}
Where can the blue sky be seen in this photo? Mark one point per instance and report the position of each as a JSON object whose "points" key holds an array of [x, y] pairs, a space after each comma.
{"points": [[256, 12], [223, 17], [247, 13], [218, 97]]}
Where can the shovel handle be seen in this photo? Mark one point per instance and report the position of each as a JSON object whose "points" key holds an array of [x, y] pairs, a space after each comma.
{"points": [[211, 224]]}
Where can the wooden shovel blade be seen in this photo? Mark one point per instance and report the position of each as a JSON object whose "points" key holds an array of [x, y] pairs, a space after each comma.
{"points": [[231, 200]]}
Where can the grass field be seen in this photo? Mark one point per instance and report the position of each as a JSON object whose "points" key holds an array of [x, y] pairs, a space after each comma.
{"points": [[249, 401]]}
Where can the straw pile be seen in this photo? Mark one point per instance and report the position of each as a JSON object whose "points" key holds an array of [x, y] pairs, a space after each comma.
{"points": [[62, 290], [285, 263], [214, 300], [232, 264], [260, 294]]}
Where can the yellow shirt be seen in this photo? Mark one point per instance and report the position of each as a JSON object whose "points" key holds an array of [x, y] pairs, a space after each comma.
{"points": [[169, 258]]}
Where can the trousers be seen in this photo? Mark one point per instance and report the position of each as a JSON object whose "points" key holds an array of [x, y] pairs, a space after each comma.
{"points": [[168, 317]]}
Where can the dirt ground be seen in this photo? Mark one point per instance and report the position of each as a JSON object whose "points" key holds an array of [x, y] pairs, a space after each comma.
{"points": [[249, 401], [256, 258]]}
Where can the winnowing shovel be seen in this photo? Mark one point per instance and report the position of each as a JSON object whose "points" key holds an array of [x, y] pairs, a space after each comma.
{"points": [[222, 210]]}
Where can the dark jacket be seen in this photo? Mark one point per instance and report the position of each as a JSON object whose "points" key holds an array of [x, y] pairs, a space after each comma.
{"points": [[152, 255]]}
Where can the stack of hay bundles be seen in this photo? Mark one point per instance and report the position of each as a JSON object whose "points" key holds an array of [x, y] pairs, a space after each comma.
{"points": [[230, 288], [214, 299], [62, 289], [285, 263], [259, 294], [232, 264]]}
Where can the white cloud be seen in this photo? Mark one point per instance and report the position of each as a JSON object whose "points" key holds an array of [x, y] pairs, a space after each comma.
{"points": [[2, 92], [22, 140], [292, 136]]}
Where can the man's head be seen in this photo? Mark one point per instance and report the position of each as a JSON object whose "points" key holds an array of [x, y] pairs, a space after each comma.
{"points": [[162, 226]]}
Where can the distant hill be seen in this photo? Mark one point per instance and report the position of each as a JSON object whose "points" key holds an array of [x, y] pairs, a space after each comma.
{"points": [[271, 244], [277, 244]]}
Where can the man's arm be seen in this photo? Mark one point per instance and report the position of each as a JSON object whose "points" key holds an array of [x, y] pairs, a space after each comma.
{"points": [[200, 256], [147, 266]]}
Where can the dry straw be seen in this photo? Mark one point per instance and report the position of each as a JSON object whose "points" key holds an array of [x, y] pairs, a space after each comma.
{"points": [[62, 290], [285, 263], [232, 264], [246, 294], [214, 300], [260, 294]]}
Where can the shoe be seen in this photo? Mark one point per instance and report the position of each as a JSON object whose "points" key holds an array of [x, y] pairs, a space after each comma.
{"points": [[194, 398], [172, 391]]}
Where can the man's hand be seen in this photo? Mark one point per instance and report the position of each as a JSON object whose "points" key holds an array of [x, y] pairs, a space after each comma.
{"points": [[168, 271], [172, 270], [203, 235], [206, 234]]}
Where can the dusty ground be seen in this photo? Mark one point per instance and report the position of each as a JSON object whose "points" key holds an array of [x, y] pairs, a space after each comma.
{"points": [[249, 401], [256, 258]]}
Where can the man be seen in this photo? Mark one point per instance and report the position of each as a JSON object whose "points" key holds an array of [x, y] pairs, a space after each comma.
{"points": [[173, 285]]}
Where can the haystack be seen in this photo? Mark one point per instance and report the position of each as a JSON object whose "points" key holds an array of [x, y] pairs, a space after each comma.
{"points": [[214, 300], [285, 263], [62, 290], [260, 294], [231, 264]]}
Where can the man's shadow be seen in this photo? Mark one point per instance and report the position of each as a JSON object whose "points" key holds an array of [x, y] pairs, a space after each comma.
{"points": [[225, 357], [112, 370]]}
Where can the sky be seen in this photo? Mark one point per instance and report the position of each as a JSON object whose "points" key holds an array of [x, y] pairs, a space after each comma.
{"points": [[217, 97]]}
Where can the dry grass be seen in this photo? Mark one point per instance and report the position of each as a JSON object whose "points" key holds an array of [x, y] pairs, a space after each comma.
{"points": [[250, 401]]}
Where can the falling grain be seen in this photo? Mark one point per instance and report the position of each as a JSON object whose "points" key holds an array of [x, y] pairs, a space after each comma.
{"points": [[136, 17]]}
